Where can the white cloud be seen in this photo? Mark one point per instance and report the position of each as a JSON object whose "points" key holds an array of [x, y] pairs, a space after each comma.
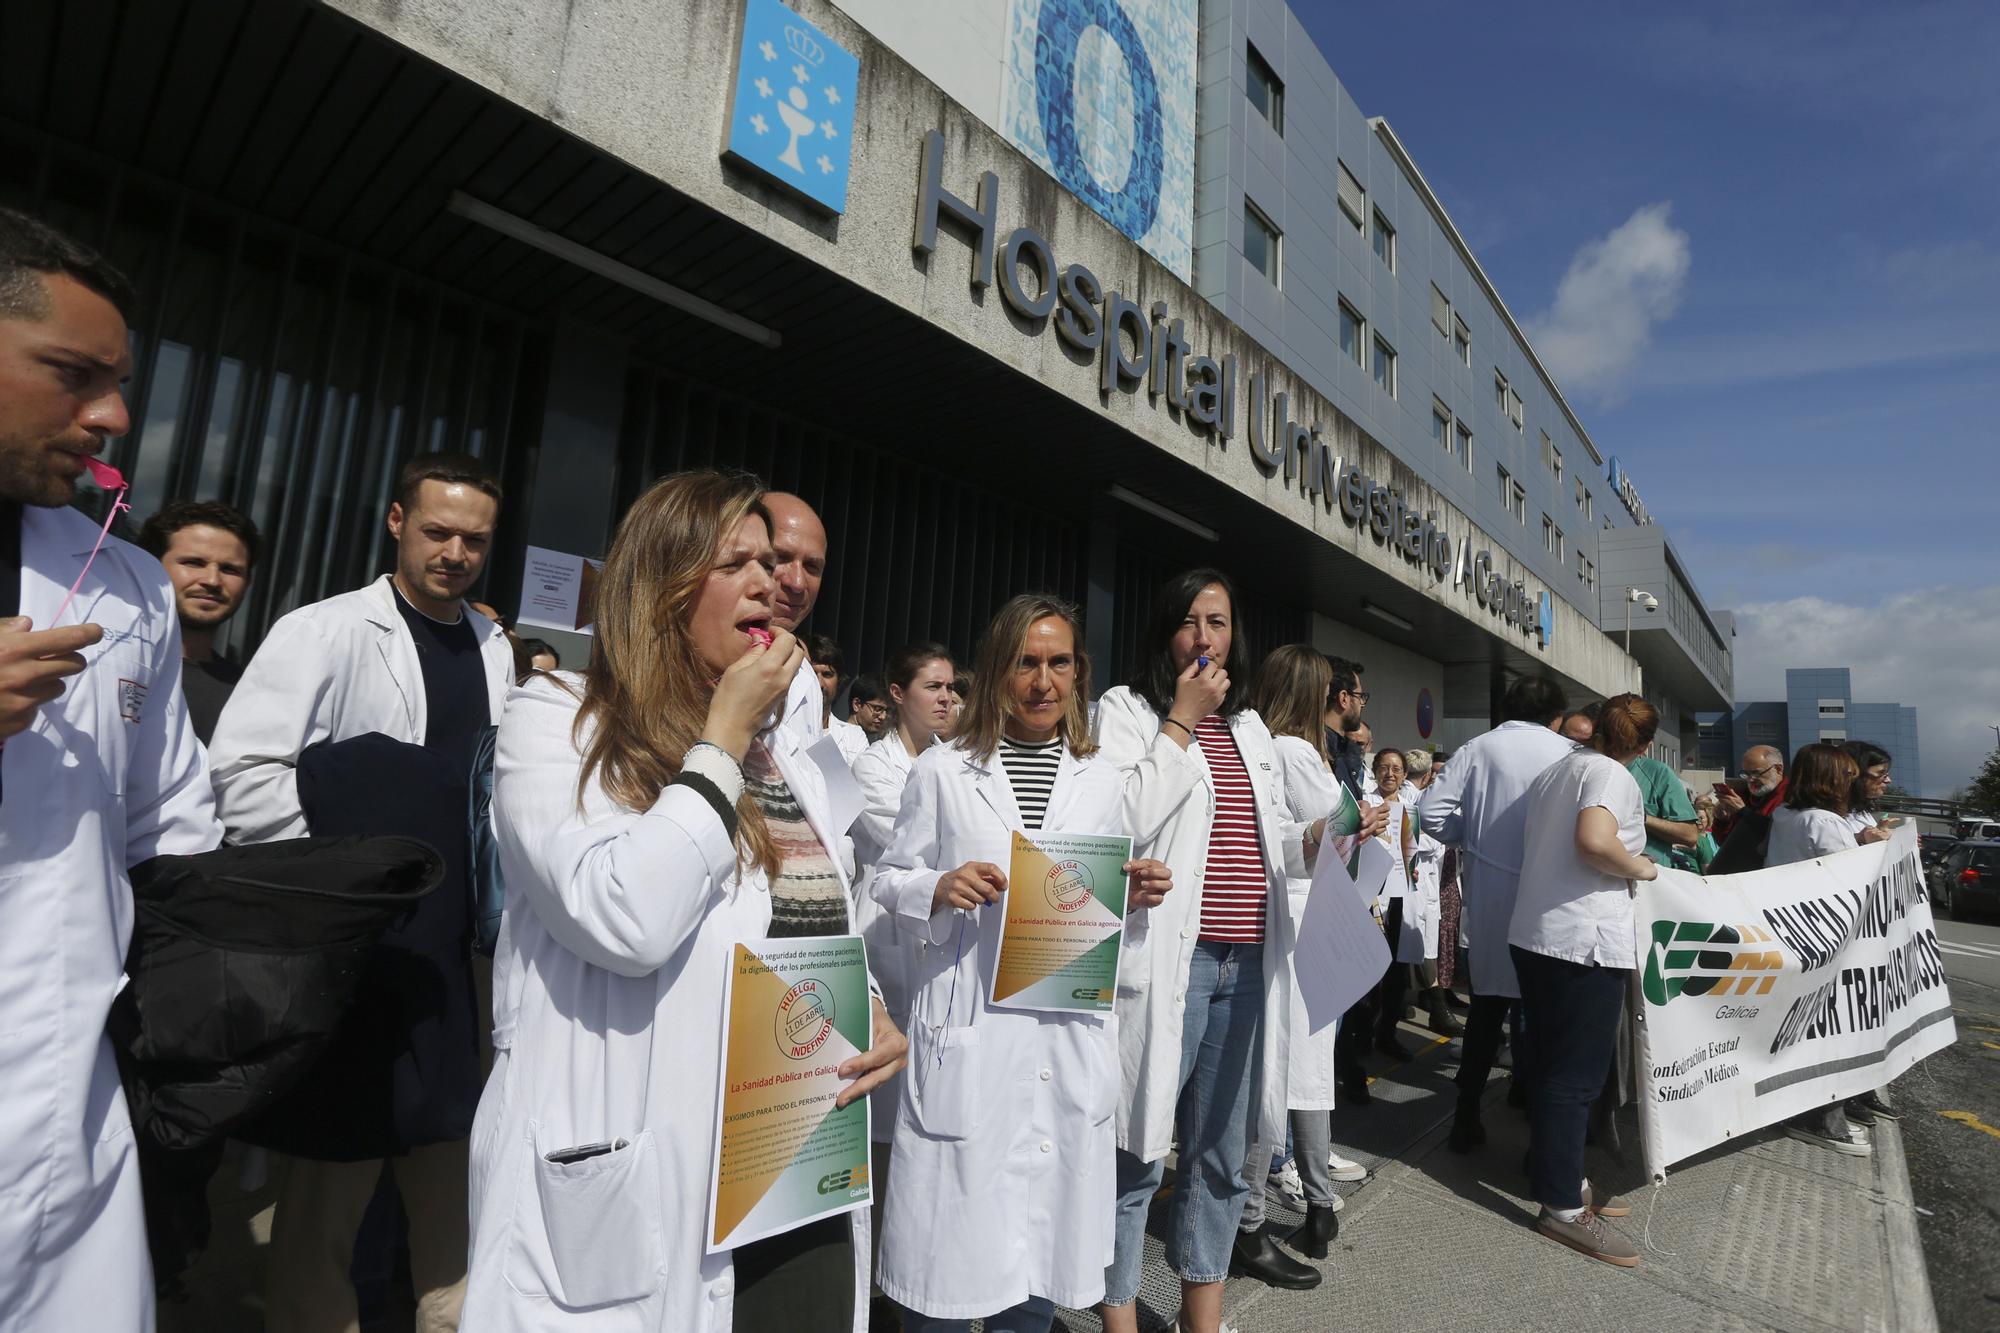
{"points": [[1935, 649], [1615, 290]]}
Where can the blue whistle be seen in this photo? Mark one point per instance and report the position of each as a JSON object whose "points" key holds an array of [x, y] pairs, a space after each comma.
{"points": [[1201, 664]]}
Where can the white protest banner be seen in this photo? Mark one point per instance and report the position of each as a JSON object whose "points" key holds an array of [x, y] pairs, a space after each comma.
{"points": [[1769, 993]]}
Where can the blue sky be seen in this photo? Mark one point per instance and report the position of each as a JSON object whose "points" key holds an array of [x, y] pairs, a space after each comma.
{"points": [[1804, 364]]}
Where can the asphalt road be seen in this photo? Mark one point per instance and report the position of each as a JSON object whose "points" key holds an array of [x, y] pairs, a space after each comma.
{"points": [[1971, 949], [1951, 1124]]}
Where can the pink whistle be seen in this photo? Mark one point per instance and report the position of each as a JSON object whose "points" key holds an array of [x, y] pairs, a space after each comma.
{"points": [[760, 637], [105, 475]]}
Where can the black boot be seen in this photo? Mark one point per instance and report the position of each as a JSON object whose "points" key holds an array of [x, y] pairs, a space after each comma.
{"points": [[1467, 1131], [1320, 1229], [1441, 1021], [1258, 1256], [1390, 1042]]}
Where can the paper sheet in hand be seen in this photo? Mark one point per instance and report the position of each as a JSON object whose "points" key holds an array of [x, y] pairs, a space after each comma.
{"points": [[793, 1012], [1395, 884], [1341, 953], [843, 793], [558, 590], [1061, 921]]}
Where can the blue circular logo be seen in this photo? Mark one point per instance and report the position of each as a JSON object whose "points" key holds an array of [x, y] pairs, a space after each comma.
{"points": [[1060, 27], [1424, 714]]}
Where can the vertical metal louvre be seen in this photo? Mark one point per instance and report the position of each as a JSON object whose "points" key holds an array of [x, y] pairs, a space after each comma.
{"points": [[284, 375], [914, 553]]}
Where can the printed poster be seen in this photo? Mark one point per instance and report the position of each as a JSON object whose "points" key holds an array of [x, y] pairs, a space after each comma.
{"points": [[1777, 991], [1061, 920], [794, 1011], [557, 590]]}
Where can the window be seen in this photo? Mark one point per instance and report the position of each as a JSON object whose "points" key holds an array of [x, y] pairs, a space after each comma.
{"points": [[1833, 708], [1548, 534], [1461, 340], [1385, 366], [1465, 445], [1584, 504], [1557, 546], [1260, 242], [1266, 93], [1763, 732], [1552, 459], [1826, 735], [1352, 201], [1440, 312], [1513, 498], [1500, 392], [1350, 333], [1513, 408], [1441, 425], [1385, 241]]}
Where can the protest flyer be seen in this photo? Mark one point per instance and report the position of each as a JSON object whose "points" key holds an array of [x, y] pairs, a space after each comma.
{"points": [[794, 1011], [558, 590], [1341, 954], [1060, 923]]}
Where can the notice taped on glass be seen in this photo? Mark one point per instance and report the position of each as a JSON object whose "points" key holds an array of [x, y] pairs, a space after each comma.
{"points": [[795, 1010], [1061, 920]]}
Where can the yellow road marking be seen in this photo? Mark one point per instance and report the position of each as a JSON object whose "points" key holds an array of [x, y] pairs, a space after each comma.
{"points": [[1971, 1121], [1990, 1045]]}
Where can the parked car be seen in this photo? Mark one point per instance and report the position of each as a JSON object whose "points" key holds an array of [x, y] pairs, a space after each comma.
{"points": [[1966, 883], [1979, 828], [1932, 847]]}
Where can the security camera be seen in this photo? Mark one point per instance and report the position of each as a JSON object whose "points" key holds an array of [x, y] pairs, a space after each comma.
{"points": [[1650, 602]]}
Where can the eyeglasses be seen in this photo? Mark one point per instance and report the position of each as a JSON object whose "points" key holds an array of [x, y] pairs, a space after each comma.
{"points": [[1752, 774], [875, 710], [1362, 695]]}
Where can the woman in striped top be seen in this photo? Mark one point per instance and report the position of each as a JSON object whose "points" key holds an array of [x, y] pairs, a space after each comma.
{"points": [[1003, 1155], [1203, 1001]]}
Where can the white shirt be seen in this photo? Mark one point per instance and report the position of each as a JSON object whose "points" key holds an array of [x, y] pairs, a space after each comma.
{"points": [[1566, 909], [803, 702], [1801, 835], [1860, 819]]}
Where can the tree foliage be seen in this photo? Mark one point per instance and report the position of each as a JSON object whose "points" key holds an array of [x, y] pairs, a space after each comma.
{"points": [[1985, 789]]}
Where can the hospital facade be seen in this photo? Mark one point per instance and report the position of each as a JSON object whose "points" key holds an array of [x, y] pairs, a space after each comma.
{"points": [[1020, 294]]}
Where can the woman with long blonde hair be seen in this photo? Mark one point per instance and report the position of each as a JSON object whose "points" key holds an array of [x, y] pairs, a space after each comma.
{"points": [[1003, 1154], [649, 815]]}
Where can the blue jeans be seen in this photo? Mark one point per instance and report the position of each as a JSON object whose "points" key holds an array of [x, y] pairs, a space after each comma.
{"points": [[1222, 1046], [1572, 1011], [1033, 1315]]}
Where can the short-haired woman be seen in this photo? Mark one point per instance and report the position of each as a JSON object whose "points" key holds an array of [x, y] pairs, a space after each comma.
{"points": [[1815, 821], [649, 815], [1571, 942], [1003, 1156], [1864, 816], [1204, 1014]]}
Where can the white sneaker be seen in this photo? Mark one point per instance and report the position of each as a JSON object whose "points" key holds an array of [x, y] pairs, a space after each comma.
{"points": [[1342, 1168], [1284, 1183]]}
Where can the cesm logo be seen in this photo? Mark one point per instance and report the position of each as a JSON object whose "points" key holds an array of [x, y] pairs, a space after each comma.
{"points": [[1702, 958], [1090, 993], [854, 1180]]}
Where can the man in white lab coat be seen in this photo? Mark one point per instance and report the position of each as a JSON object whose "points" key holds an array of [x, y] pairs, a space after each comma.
{"points": [[1478, 804], [799, 539], [100, 771], [404, 657]]}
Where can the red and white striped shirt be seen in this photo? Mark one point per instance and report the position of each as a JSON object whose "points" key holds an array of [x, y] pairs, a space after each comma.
{"points": [[1233, 883]]}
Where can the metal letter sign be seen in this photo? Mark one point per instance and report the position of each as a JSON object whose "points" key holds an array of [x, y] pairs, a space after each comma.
{"points": [[793, 117]]}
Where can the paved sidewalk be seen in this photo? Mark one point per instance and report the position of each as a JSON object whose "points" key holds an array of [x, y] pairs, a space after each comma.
{"points": [[1768, 1233]]}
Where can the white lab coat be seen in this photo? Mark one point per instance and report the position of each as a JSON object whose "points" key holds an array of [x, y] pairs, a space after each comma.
{"points": [[1170, 807], [1418, 941], [851, 739], [609, 978], [106, 777], [1005, 1177], [329, 671], [882, 772], [803, 703], [1310, 791], [1478, 804]]}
